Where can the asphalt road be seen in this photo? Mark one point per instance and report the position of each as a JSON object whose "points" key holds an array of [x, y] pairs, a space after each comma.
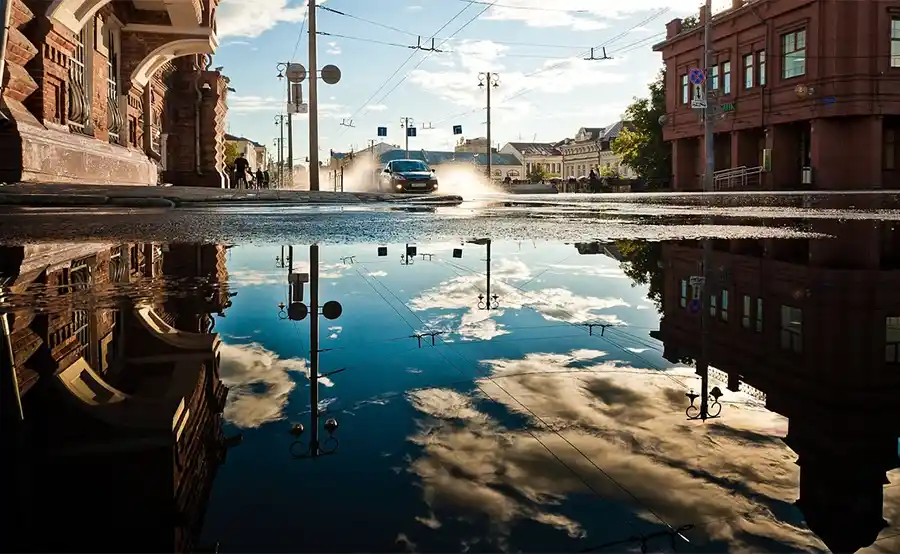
{"points": [[514, 218]]}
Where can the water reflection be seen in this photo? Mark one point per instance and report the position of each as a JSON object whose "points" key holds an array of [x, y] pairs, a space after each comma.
{"points": [[492, 395]]}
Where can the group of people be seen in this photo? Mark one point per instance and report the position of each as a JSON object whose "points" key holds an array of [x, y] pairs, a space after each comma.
{"points": [[243, 177]]}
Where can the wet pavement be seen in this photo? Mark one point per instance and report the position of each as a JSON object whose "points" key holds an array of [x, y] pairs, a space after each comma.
{"points": [[496, 379]]}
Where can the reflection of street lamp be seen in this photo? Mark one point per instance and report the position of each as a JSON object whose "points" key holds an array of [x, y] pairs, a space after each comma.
{"points": [[492, 304], [485, 301], [712, 407], [300, 449]]}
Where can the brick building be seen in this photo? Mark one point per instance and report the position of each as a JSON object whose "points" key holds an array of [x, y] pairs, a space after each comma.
{"points": [[120, 394], [798, 84], [97, 91], [814, 325]]}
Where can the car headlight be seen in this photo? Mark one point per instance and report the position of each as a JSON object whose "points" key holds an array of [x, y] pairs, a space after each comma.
{"points": [[399, 187]]}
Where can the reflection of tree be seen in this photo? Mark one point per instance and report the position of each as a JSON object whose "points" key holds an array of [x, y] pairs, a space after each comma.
{"points": [[642, 260]]}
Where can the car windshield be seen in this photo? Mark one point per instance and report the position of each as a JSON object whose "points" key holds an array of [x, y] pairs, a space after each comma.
{"points": [[409, 165]]}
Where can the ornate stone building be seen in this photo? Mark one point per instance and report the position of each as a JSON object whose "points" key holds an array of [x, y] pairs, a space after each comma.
{"points": [[97, 91]]}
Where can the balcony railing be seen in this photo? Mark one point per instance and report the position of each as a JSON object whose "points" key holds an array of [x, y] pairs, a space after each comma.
{"points": [[738, 178]]}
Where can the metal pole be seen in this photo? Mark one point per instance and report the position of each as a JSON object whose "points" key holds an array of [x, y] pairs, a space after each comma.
{"points": [[488, 86], [488, 300], [708, 123], [314, 347], [290, 130], [313, 102], [281, 155], [342, 178], [406, 130]]}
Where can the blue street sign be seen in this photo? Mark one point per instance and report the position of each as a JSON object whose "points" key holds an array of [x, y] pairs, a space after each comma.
{"points": [[457, 129], [382, 131], [694, 306], [410, 131], [696, 76]]}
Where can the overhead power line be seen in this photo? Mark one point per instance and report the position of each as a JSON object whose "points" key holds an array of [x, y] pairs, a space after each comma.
{"points": [[523, 8]]}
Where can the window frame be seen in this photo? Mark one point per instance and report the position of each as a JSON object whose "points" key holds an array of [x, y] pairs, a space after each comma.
{"points": [[761, 68], [795, 53], [895, 41], [714, 81], [791, 336], [685, 90], [749, 70], [726, 77]]}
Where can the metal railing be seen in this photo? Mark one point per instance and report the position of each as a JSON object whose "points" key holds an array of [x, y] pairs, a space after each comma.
{"points": [[741, 178]]}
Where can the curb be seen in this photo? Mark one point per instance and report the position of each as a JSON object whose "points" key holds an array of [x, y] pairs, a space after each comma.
{"points": [[141, 202], [50, 200]]}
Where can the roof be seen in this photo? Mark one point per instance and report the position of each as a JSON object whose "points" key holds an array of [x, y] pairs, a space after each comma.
{"points": [[613, 131], [235, 138], [536, 148], [435, 157]]}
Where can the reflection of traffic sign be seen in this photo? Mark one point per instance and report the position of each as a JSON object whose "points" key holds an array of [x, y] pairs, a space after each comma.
{"points": [[694, 306], [410, 131], [696, 76], [696, 280], [698, 103], [382, 131], [457, 129]]}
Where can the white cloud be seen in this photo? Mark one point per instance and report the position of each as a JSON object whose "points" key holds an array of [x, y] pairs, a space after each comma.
{"points": [[255, 278], [251, 18], [240, 104], [376, 107], [259, 382], [414, 8], [583, 15], [333, 49]]}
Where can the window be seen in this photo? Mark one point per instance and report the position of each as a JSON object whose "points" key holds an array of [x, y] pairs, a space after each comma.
{"points": [[895, 42], [113, 117], [761, 57], [685, 89], [892, 340], [888, 149], [723, 313], [683, 301], [712, 305], [726, 77], [749, 67], [79, 99], [792, 329], [714, 78], [759, 315], [745, 315], [793, 54]]}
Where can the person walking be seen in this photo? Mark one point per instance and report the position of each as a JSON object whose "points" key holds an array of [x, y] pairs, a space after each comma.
{"points": [[266, 178], [260, 181], [241, 166]]}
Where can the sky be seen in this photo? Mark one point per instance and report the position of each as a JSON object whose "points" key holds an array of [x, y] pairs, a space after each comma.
{"points": [[546, 92]]}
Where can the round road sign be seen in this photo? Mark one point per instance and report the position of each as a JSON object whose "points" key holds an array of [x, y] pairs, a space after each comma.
{"points": [[696, 76], [331, 74], [295, 73], [694, 306]]}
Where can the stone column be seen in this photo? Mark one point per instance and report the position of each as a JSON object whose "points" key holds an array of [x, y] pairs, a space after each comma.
{"points": [[846, 153], [684, 164], [784, 143]]}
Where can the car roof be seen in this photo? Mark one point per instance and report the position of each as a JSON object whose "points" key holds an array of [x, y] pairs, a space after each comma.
{"points": [[408, 160]]}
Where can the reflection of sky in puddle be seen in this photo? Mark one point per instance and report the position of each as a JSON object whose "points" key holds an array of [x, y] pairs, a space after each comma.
{"points": [[517, 430]]}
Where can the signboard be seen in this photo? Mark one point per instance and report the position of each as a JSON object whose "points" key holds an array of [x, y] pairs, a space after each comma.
{"points": [[457, 129], [410, 131], [697, 281], [696, 76], [730, 107], [298, 108], [382, 131], [698, 103]]}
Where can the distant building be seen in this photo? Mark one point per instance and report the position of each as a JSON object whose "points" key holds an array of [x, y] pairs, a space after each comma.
{"points": [[254, 152], [474, 145], [591, 149], [543, 156], [502, 165]]}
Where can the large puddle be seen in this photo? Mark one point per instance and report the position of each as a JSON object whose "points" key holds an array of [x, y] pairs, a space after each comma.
{"points": [[474, 394]]}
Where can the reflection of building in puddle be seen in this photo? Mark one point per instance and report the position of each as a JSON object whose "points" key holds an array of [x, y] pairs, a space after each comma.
{"points": [[813, 324], [120, 406]]}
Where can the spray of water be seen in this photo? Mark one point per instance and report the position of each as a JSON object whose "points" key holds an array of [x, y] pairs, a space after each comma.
{"points": [[461, 179]]}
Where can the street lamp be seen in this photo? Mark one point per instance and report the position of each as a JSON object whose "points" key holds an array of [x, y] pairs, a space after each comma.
{"points": [[713, 407], [487, 81], [300, 449], [485, 301]]}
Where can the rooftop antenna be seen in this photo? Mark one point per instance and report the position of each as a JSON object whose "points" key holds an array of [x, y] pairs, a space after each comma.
{"points": [[419, 46], [593, 59], [347, 123], [427, 126]]}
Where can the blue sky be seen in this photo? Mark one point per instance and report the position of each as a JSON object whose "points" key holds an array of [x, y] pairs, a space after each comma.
{"points": [[547, 90]]}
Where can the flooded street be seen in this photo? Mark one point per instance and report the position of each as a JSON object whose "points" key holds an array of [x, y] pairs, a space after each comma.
{"points": [[485, 378]]}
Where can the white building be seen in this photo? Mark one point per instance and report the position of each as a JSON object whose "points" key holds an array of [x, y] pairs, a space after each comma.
{"points": [[537, 155], [253, 152], [591, 149]]}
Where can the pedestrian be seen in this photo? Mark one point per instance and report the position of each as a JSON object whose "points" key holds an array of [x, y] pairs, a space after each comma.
{"points": [[259, 178], [266, 178], [241, 165]]}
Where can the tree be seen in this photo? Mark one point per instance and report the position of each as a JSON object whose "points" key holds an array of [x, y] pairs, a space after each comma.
{"points": [[609, 171], [642, 260], [537, 174], [640, 144], [231, 152]]}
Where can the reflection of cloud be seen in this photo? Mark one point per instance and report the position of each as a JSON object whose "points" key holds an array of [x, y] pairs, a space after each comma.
{"points": [[590, 270], [730, 474], [255, 278], [259, 383], [378, 273], [335, 331]]}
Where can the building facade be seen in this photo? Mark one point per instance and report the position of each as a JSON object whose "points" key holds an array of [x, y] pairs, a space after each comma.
{"points": [[537, 156], [475, 145], [253, 152], [112, 92], [591, 149], [806, 95]]}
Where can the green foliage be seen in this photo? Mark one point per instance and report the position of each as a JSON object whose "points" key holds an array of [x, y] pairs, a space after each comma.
{"points": [[642, 266], [609, 171], [689, 23], [537, 174], [231, 152], [640, 144]]}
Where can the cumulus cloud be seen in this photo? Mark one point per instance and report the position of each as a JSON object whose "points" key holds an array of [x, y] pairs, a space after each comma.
{"points": [[251, 18], [259, 382], [333, 49], [586, 15], [255, 278], [242, 104], [723, 477]]}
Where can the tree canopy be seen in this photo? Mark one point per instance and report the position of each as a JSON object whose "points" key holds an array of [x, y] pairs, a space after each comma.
{"points": [[231, 152], [640, 144]]}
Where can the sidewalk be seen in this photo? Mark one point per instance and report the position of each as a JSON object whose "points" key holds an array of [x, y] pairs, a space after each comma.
{"points": [[57, 195]]}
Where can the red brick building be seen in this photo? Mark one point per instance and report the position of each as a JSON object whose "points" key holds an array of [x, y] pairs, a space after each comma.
{"points": [[98, 91], [815, 325], [800, 84]]}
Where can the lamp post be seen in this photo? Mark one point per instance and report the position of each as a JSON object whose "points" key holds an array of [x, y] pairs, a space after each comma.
{"points": [[279, 120], [486, 301], [487, 81], [297, 311]]}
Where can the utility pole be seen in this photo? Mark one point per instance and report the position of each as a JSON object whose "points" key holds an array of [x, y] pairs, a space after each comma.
{"points": [[279, 120], [314, 331], [405, 122], [706, 289], [708, 122], [313, 102], [488, 81]]}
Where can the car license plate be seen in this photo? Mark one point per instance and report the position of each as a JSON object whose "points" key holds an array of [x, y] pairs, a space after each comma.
{"points": [[417, 185]]}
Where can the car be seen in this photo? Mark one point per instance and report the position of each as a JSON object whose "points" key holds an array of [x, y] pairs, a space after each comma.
{"points": [[407, 176]]}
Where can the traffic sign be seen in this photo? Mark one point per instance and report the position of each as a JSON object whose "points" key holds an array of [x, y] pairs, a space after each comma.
{"points": [[382, 131], [696, 280], [410, 131], [698, 103], [457, 129], [696, 76], [295, 73], [694, 306]]}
